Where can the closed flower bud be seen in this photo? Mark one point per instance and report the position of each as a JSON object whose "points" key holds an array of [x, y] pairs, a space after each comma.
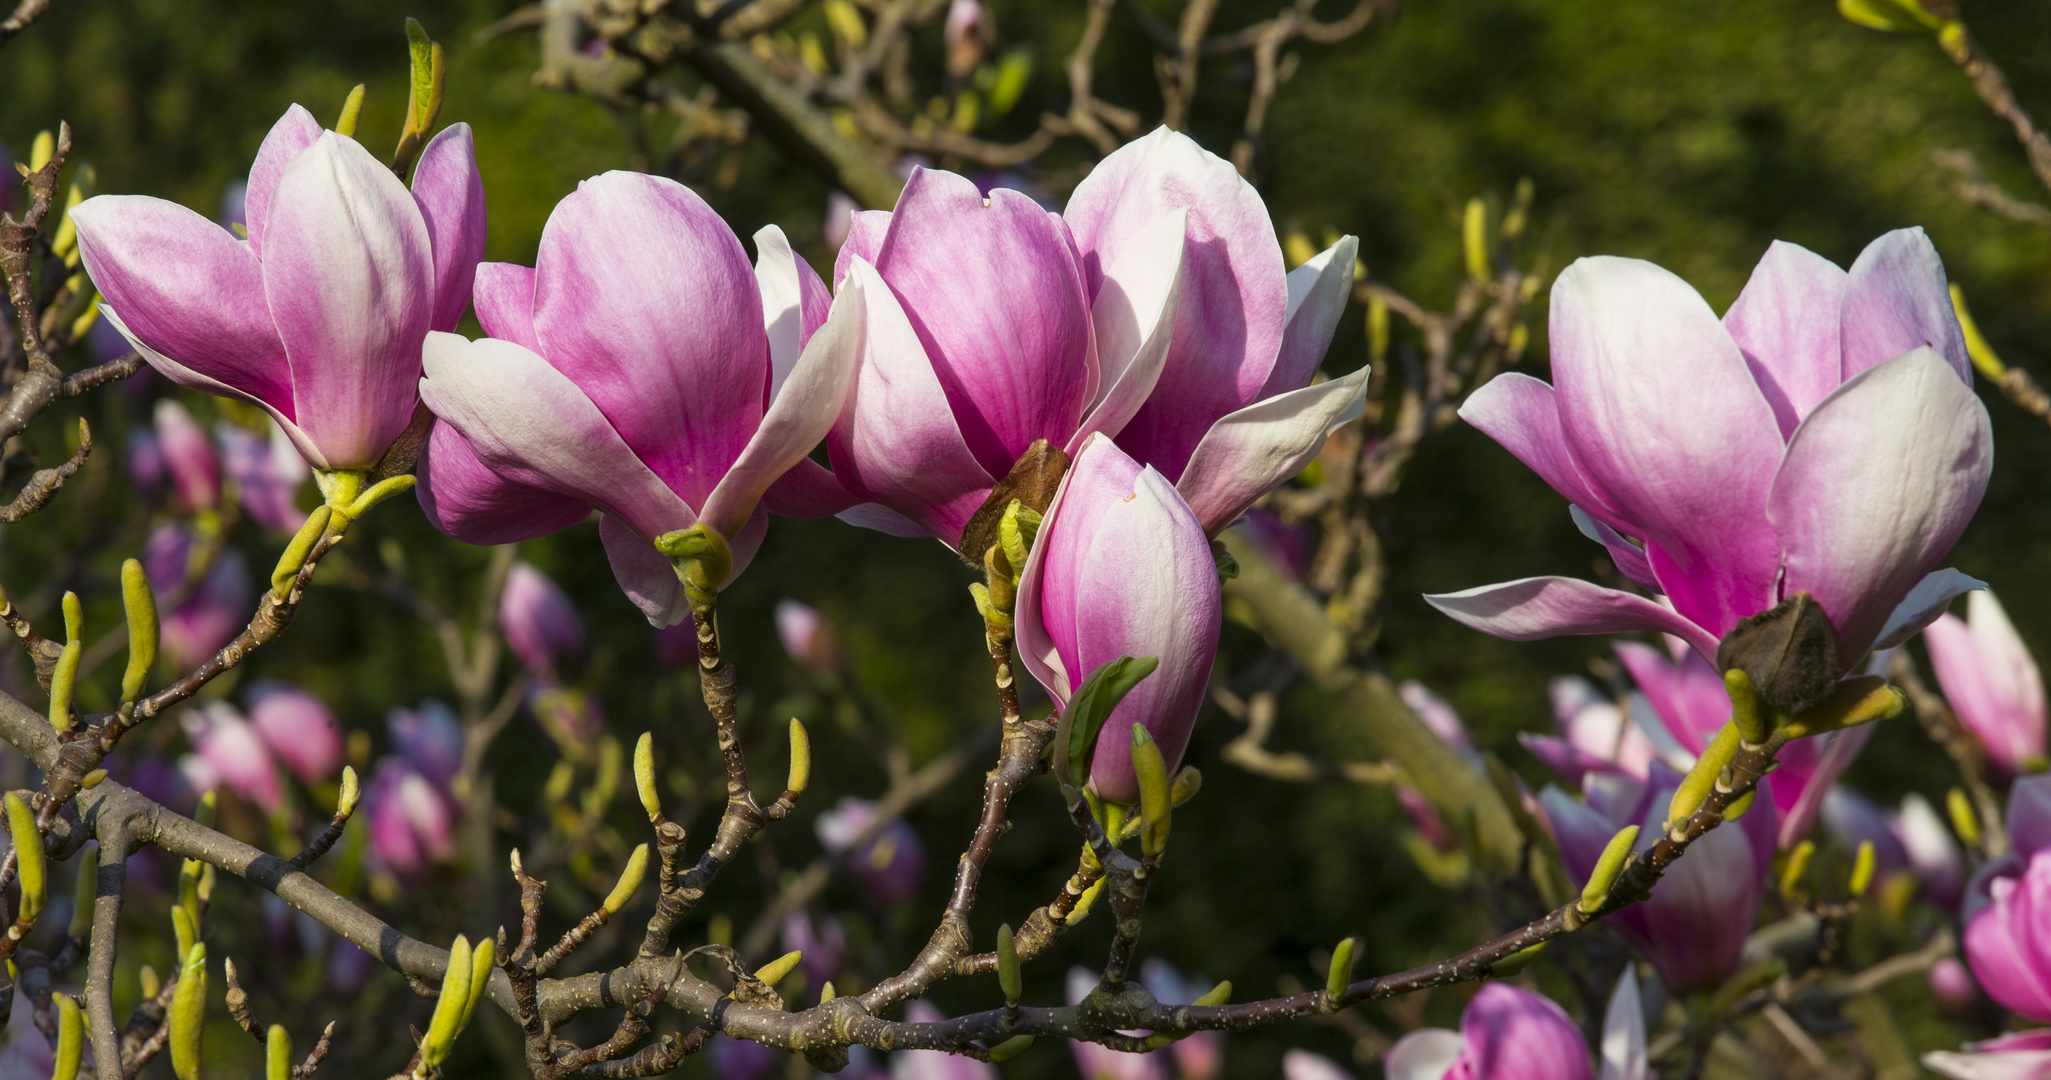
{"points": [[540, 623], [807, 637], [298, 728], [1991, 682]]}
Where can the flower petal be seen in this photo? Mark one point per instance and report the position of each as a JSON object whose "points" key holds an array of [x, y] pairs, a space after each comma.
{"points": [[287, 139], [1522, 414], [185, 376], [645, 299], [1687, 693], [805, 408], [450, 195], [1629, 558], [1925, 602], [1250, 452], [1786, 322], [1543, 607], [348, 271], [464, 498], [643, 573], [1515, 1034], [1623, 1032], [1991, 681], [529, 423], [1834, 754], [880, 518], [1134, 321], [1896, 301], [807, 490], [896, 442], [1235, 298], [865, 233], [1318, 292], [1990, 1065], [1661, 412], [1424, 1054], [186, 290], [995, 296], [783, 314], [1879, 482], [504, 294]]}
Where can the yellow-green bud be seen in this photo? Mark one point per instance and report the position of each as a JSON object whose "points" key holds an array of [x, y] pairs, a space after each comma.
{"points": [[1959, 806], [1474, 238], [150, 984], [1218, 995], [1188, 782], [189, 1013], [70, 1037], [776, 970], [62, 682], [1340, 974], [1008, 977], [1797, 866], [630, 879], [140, 601], [352, 110], [30, 862], [1084, 902], [644, 775], [1854, 702], [1739, 805], [447, 1022], [701, 559], [1377, 329], [82, 896], [183, 933], [800, 757], [41, 150], [1748, 713], [1010, 1048], [1516, 961], [1695, 787], [1016, 531], [352, 791], [1862, 869], [74, 618], [301, 546], [1604, 877], [277, 1052], [1155, 800], [827, 993], [480, 980]]}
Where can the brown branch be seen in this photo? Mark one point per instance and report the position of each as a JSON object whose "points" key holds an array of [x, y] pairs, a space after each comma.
{"points": [[1952, 737], [24, 14], [1973, 187], [1992, 86], [43, 486]]}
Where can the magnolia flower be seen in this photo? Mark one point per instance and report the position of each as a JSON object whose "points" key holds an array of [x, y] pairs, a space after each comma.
{"points": [[989, 334], [1990, 681], [319, 316], [1822, 438], [1121, 568], [935, 1064], [1693, 928], [889, 865], [214, 610], [298, 728], [411, 818], [2005, 942], [1099, 1062], [229, 751], [1506, 1034], [188, 457], [641, 368], [539, 622], [807, 637], [2025, 1055], [428, 739], [1595, 735], [963, 37], [1198, 1056], [267, 472]]}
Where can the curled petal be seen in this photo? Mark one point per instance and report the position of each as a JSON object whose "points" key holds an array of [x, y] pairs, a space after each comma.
{"points": [[1424, 1054], [451, 199], [1630, 558], [1924, 603], [1543, 607], [866, 230], [1318, 291], [1246, 454]]}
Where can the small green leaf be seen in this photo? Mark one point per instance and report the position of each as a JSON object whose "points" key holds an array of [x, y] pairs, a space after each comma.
{"points": [[1091, 706]]}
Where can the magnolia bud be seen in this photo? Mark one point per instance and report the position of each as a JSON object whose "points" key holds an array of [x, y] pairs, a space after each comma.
{"points": [[630, 880], [447, 1022], [30, 861], [644, 775], [188, 1013], [70, 1037], [277, 1046], [140, 602], [778, 969], [1611, 864], [800, 758], [1341, 972], [1008, 978]]}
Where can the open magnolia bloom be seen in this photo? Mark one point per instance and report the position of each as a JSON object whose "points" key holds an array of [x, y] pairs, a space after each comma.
{"points": [[1158, 304], [1991, 682], [1822, 438], [641, 368], [1121, 568], [1508, 1033], [319, 315]]}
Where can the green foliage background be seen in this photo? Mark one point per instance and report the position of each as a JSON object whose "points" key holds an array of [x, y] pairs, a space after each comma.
{"points": [[1688, 134]]}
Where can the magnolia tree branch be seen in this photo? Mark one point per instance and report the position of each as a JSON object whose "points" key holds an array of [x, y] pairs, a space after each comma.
{"points": [[25, 13]]}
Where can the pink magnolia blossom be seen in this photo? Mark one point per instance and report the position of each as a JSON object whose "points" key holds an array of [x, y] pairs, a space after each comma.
{"points": [[1952, 983], [1823, 437], [539, 622], [215, 609], [1121, 568], [963, 37], [298, 728], [742, 1059], [641, 368], [1693, 928], [1099, 1062], [428, 739], [1991, 681], [889, 865], [267, 472], [1155, 305], [1595, 735], [188, 457], [234, 754], [1304, 1065], [411, 818], [2005, 940], [319, 316], [2024, 1055], [1505, 1034], [807, 636]]}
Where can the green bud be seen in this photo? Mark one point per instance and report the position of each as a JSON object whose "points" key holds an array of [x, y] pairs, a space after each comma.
{"points": [[1340, 974], [1607, 869], [1008, 977], [701, 559], [74, 618], [62, 682], [352, 792], [82, 896], [1893, 15], [447, 1022], [1516, 961], [630, 880], [644, 775], [1797, 866], [140, 602], [1862, 869], [1016, 531], [778, 969], [1377, 329], [1010, 1048], [480, 979], [41, 150], [826, 992], [70, 1037], [1474, 239], [296, 552], [277, 1052], [30, 863], [1218, 995], [1087, 900], [208, 808], [183, 933], [150, 984], [189, 1013], [1853, 702], [800, 757], [1187, 783], [1959, 806], [1695, 787], [1154, 796], [1982, 354], [1739, 805], [1748, 713], [352, 111]]}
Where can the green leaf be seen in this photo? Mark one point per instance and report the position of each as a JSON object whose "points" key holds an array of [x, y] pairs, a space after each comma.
{"points": [[1091, 706]]}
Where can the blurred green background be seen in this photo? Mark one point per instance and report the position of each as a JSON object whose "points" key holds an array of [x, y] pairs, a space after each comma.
{"points": [[1688, 134]]}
